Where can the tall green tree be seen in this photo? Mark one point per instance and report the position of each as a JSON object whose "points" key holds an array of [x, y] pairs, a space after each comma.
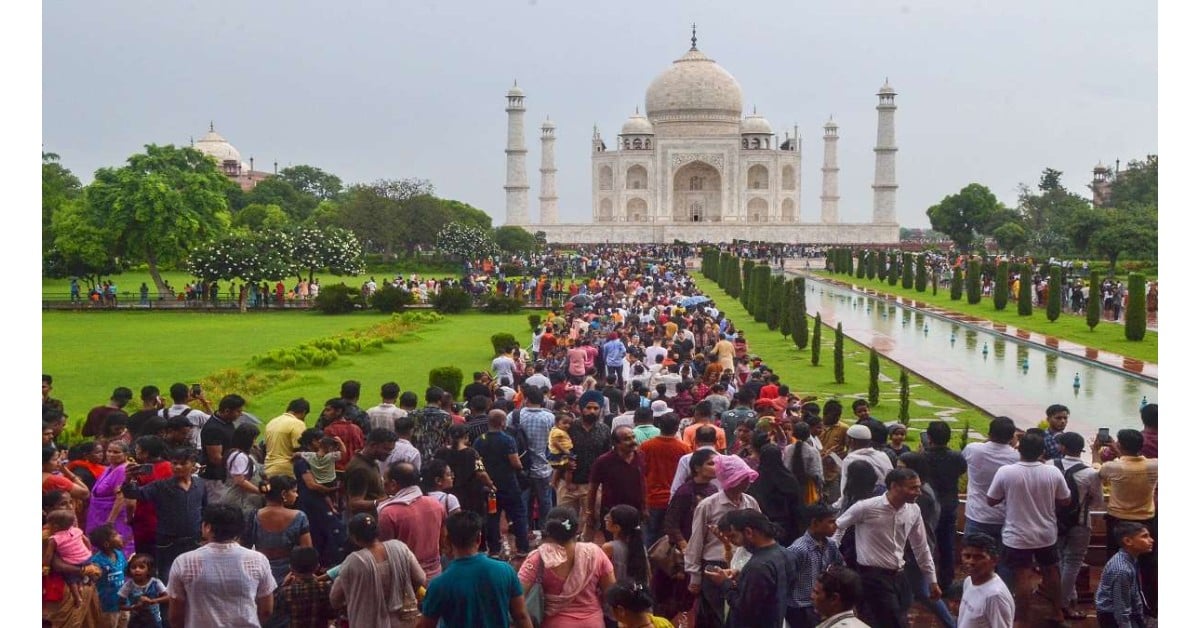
{"points": [[906, 280], [1000, 287], [59, 186], [974, 279], [512, 239], [312, 181], [870, 263], [258, 217], [799, 315], [860, 271], [964, 215], [922, 273], [873, 383], [1129, 230], [249, 256], [1025, 293], [1009, 237], [1137, 184], [331, 249], [160, 205], [1135, 315], [881, 265], [80, 247], [1095, 297], [839, 358], [762, 292], [816, 340], [1054, 294], [735, 278], [747, 284], [894, 269], [278, 191], [903, 415]]}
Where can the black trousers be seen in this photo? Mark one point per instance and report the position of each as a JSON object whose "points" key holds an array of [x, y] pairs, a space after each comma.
{"points": [[798, 617], [886, 598], [1108, 620], [711, 608]]}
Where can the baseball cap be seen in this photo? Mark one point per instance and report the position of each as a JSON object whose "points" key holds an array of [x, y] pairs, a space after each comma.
{"points": [[859, 432]]}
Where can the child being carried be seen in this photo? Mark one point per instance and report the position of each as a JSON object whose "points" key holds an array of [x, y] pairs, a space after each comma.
{"points": [[330, 450]]}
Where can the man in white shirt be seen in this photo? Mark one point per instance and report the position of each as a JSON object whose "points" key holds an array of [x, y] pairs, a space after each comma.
{"points": [[180, 396], [1073, 536], [403, 450], [986, 602], [858, 437], [653, 352], [385, 414], [983, 459], [884, 525], [221, 583], [1031, 490], [504, 368]]}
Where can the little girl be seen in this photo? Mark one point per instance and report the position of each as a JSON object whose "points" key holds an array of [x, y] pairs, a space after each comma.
{"points": [[560, 448], [437, 479], [67, 545], [330, 449], [142, 593], [110, 559]]}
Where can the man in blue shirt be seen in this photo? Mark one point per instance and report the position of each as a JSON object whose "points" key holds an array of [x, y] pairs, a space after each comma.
{"points": [[814, 553], [474, 590], [1119, 596]]}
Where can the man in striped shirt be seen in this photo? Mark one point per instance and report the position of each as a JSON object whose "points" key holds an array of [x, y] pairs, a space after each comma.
{"points": [[814, 553], [1119, 596]]}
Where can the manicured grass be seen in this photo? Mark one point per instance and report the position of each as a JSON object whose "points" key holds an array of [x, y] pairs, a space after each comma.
{"points": [[89, 354], [795, 369], [1107, 336]]}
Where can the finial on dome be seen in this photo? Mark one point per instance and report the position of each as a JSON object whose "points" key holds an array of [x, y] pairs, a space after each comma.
{"points": [[210, 126], [191, 141], [754, 110], [693, 35], [635, 110], [514, 82]]}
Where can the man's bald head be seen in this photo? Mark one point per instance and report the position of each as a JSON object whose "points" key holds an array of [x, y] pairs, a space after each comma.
{"points": [[497, 418]]}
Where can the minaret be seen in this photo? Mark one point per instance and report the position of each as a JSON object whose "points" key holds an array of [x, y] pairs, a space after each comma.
{"points": [[516, 187], [829, 175], [549, 196], [885, 158]]}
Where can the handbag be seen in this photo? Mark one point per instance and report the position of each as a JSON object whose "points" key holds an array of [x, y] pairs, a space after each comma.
{"points": [[535, 598], [665, 556]]}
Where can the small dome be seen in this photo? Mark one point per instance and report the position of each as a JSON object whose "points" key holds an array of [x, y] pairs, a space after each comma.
{"points": [[516, 91], [637, 124], [548, 124], [215, 146], [886, 89], [831, 124], [756, 124], [694, 89]]}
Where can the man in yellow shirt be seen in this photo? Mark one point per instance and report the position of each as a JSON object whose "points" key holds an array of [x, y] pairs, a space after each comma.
{"points": [[282, 435], [1133, 483]]}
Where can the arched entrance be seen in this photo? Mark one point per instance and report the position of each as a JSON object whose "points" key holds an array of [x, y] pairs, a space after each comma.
{"points": [[697, 193]]}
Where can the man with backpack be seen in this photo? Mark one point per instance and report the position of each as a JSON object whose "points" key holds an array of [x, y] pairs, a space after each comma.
{"points": [[530, 427], [1074, 520], [180, 396]]}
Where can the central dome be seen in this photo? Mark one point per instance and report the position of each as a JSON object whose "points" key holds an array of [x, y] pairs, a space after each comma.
{"points": [[694, 89]]}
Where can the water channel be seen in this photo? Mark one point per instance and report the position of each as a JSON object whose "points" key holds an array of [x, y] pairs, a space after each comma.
{"points": [[997, 373]]}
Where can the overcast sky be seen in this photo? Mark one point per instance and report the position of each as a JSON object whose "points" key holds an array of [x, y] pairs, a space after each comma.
{"points": [[989, 92]]}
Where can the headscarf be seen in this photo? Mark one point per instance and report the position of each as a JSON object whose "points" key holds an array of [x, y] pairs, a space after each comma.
{"points": [[732, 471]]}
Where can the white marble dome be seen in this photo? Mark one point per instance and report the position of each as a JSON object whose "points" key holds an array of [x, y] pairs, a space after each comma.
{"points": [[694, 89], [757, 125], [637, 124], [217, 147]]}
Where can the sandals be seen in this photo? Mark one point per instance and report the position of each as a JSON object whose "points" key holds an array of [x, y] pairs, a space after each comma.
{"points": [[1074, 614]]}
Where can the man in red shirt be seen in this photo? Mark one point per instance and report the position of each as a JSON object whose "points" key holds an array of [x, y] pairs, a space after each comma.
{"points": [[96, 416], [547, 342], [622, 474], [412, 517], [336, 424], [662, 454]]}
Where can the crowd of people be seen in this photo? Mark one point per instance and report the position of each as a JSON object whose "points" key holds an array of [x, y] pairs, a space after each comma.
{"points": [[637, 465]]}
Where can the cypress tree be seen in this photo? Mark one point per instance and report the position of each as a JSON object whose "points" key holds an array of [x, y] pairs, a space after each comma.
{"points": [[956, 284], [747, 285], [1000, 287], [933, 281], [785, 307], [922, 273], [861, 271], [733, 279], [799, 316], [870, 264], [1025, 292], [906, 280], [974, 283], [762, 292], [873, 385], [903, 415], [881, 263], [778, 305], [894, 269], [1054, 294], [1135, 314], [816, 340], [1095, 297], [839, 360]]}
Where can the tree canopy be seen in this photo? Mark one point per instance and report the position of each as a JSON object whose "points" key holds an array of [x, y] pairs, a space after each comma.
{"points": [[961, 216]]}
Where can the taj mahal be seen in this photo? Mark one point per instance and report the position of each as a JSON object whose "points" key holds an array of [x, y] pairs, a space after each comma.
{"points": [[694, 167]]}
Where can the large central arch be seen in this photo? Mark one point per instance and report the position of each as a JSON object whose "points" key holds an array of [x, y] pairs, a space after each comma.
{"points": [[697, 193]]}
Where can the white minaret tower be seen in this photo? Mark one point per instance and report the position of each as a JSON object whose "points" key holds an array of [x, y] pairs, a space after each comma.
{"points": [[516, 186], [549, 196], [829, 175], [885, 158]]}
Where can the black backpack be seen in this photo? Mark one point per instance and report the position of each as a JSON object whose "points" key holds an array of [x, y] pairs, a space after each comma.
{"points": [[1068, 516], [519, 435]]}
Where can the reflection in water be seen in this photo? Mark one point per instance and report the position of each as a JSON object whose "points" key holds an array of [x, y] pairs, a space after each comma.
{"points": [[1000, 346], [971, 337], [1051, 366]]}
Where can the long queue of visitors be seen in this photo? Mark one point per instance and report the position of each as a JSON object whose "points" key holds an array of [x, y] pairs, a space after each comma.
{"points": [[637, 465]]}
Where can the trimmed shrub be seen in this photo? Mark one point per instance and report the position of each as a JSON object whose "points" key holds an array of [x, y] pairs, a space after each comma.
{"points": [[894, 270], [839, 359], [1054, 294], [922, 273], [861, 270], [734, 278], [816, 340], [501, 304], [778, 306], [450, 300], [448, 378], [338, 299], [881, 260], [956, 285], [747, 284], [974, 282], [389, 299], [502, 342], [1000, 287], [784, 303], [869, 262], [903, 414], [1025, 292], [799, 315], [762, 292], [1095, 300], [906, 280], [1135, 315], [535, 322], [873, 385]]}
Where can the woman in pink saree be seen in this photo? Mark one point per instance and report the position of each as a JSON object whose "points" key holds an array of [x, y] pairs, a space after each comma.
{"points": [[574, 574]]}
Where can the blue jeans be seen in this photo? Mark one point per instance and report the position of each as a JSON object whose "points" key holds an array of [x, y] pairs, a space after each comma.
{"points": [[993, 530], [654, 527], [920, 589], [513, 507], [539, 489]]}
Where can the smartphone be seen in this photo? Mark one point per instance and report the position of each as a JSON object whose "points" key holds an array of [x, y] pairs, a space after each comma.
{"points": [[712, 569], [143, 469], [924, 440], [196, 391], [1103, 436]]}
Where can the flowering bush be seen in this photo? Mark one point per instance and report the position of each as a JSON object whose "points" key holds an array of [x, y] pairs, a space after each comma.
{"points": [[466, 241]]}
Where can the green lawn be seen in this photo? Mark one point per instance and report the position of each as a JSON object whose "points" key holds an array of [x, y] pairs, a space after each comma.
{"points": [[1107, 336], [795, 369], [91, 353]]}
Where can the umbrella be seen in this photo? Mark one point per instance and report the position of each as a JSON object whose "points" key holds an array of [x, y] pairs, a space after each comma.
{"points": [[692, 301], [581, 300]]}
